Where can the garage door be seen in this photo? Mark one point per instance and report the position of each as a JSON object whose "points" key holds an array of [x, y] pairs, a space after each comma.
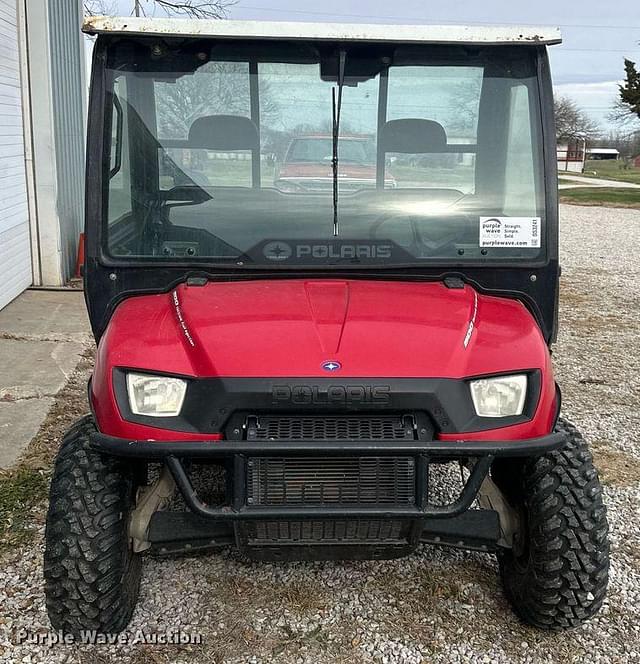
{"points": [[15, 250]]}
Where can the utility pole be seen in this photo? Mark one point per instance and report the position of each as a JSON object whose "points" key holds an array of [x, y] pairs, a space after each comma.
{"points": [[137, 7]]}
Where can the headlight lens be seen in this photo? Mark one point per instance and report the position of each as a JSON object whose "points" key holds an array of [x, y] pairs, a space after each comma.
{"points": [[499, 397], [155, 396]]}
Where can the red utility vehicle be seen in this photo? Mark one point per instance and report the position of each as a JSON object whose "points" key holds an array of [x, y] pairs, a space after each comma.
{"points": [[288, 369]]}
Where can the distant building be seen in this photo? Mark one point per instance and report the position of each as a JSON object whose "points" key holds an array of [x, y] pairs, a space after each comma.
{"points": [[42, 99], [636, 162], [571, 156], [601, 154]]}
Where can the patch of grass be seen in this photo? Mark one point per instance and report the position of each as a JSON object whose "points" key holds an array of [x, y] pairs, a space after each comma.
{"points": [[601, 196], [70, 405], [295, 639], [431, 589], [594, 323], [572, 297], [302, 597], [242, 599], [24, 489], [614, 466], [434, 593], [612, 170], [631, 551], [20, 492]]}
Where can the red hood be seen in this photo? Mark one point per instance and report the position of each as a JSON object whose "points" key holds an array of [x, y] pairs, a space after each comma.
{"points": [[281, 328]]}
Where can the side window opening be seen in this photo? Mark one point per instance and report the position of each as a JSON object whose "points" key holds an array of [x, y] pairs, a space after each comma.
{"points": [[520, 160]]}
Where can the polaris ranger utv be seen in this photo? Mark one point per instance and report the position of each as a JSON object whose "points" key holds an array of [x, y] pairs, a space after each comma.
{"points": [[323, 346]]}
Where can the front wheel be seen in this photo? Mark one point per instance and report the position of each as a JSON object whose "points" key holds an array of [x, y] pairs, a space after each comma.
{"points": [[557, 574], [92, 576]]}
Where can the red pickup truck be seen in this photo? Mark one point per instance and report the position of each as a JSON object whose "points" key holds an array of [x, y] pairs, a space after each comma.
{"points": [[307, 164]]}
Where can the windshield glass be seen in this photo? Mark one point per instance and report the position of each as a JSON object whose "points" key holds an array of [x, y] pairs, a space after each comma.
{"points": [[223, 154]]}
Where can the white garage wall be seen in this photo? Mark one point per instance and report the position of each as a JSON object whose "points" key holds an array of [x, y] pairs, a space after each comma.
{"points": [[15, 251]]}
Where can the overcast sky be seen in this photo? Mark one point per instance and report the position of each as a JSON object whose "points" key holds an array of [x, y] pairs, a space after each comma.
{"points": [[598, 34]]}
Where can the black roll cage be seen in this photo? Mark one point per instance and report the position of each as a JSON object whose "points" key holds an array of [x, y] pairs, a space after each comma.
{"points": [[108, 281]]}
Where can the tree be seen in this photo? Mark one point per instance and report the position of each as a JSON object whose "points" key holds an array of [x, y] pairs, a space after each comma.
{"points": [[627, 142], [622, 117], [630, 91], [192, 8], [625, 113], [101, 7], [572, 123], [216, 88]]}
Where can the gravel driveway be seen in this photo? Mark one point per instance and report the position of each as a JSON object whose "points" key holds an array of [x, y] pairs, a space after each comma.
{"points": [[436, 605]]}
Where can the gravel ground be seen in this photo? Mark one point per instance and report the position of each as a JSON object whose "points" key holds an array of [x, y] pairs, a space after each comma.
{"points": [[436, 605]]}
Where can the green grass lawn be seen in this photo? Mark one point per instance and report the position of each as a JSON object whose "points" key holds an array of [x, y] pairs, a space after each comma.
{"points": [[628, 198], [610, 170], [20, 491]]}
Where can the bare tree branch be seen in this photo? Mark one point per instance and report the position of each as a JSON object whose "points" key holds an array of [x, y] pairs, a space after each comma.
{"points": [[572, 122], [622, 116], [193, 8], [216, 88], [102, 7]]}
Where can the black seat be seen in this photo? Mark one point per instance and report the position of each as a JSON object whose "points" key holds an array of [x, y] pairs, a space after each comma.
{"points": [[413, 136], [224, 133]]}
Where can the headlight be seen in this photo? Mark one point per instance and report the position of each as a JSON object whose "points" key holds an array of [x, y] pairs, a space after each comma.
{"points": [[499, 397], [155, 396]]}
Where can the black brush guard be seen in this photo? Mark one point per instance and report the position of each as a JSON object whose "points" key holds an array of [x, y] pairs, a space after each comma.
{"points": [[232, 523]]}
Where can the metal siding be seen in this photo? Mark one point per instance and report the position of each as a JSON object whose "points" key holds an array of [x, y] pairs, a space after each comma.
{"points": [[15, 250], [15, 262], [67, 78]]}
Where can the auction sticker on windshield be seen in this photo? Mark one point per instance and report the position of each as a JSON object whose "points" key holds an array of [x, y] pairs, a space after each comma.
{"points": [[510, 232]]}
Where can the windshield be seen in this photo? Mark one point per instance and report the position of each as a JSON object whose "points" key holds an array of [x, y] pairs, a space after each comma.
{"points": [[223, 154]]}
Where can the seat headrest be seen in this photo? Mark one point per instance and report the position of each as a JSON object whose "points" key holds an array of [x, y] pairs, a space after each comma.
{"points": [[413, 136], [223, 132]]}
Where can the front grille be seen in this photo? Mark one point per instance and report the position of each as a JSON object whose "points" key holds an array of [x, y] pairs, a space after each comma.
{"points": [[331, 481], [327, 532], [330, 427]]}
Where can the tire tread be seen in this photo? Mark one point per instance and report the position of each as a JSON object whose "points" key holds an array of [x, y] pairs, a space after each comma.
{"points": [[92, 579], [565, 580]]}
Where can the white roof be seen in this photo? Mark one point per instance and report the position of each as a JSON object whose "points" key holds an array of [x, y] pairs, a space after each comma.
{"points": [[603, 150], [435, 34]]}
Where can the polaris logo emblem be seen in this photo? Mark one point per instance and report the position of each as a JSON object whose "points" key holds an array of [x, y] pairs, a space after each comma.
{"points": [[343, 251], [331, 365], [331, 395], [277, 251]]}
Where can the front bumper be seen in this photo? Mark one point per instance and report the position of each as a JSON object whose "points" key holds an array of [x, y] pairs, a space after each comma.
{"points": [[479, 454]]}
